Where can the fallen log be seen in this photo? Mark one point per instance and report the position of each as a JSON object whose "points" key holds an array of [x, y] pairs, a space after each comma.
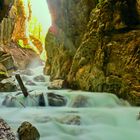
{"points": [[22, 87]]}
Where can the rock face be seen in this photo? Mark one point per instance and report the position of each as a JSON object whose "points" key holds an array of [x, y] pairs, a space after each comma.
{"points": [[7, 61], [3, 72], [96, 49], [56, 100], [7, 87], [28, 132], [69, 20], [15, 17], [7, 20], [22, 17], [70, 120], [5, 131], [58, 84], [14, 39]]}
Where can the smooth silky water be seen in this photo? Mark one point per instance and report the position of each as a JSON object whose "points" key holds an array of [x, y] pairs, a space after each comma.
{"points": [[103, 116]]}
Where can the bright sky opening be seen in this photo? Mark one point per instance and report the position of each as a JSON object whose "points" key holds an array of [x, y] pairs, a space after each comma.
{"points": [[41, 12]]}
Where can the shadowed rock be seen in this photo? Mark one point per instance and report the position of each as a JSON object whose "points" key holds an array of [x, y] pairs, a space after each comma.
{"points": [[28, 132], [7, 87], [39, 78], [70, 120], [30, 82], [5, 131], [80, 101], [56, 100], [42, 100]]}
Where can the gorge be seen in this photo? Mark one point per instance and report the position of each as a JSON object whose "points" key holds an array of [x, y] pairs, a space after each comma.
{"points": [[79, 61]]}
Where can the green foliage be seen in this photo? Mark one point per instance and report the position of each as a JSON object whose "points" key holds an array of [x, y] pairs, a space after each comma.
{"points": [[35, 29], [21, 44], [3, 73], [29, 46]]}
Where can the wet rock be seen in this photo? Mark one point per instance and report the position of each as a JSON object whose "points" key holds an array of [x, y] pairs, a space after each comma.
{"points": [[19, 100], [80, 101], [25, 78], [31, 83], [3, 72], [44, 119], [28, 132], [5, 131], [41, 100], [138, 116], [67, 119], [10, 101], [7, 60], [28, 72], [8, 87], [56, 100], [39, 78], [70, 120], [57, 84]]}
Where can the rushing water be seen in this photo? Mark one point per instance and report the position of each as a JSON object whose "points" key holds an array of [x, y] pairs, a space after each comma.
{"points": [[102, 116]]}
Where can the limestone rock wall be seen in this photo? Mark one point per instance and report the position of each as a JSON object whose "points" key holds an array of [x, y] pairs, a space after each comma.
{"points": [[22, 18], [69, 20], [6, 21], [13, 27], [6, 30], [104, 49], [108, 57]]}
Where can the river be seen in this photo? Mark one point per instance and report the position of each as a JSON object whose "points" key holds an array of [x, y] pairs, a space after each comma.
{"points": [[86, 115]]}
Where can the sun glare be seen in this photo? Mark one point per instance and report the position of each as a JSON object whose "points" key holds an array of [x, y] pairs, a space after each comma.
{"points": [[41, 12]]}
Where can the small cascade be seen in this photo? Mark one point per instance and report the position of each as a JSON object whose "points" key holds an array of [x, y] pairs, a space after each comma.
{"points": [[89, 99], [39, 95]]}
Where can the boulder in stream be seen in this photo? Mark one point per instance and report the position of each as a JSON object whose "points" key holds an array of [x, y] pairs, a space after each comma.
{"points": [[80, 101], [28, 72], [5, 131], [56, 100], [19, 100], [7, 87], [39, 78], [30, 82], [70, 120], [57, 84], [28, 132], [41, 100]]}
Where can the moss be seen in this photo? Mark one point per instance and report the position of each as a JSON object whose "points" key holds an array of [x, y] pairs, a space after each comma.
{"points": [[106, 55]]}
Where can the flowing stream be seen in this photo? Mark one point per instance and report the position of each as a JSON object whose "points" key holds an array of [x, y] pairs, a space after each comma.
{"points": [[86, 115]]}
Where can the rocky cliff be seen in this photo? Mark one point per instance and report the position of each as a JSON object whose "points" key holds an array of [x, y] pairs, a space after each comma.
{"points": [[69, 21], [13, 21], [95, 46]]}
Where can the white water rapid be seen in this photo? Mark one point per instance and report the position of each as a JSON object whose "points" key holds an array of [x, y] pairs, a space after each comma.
{"points": [[86, 115]]}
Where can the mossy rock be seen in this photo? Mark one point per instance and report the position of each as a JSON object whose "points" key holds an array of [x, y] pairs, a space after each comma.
{"points": [[3, 72], [28, 132]]}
